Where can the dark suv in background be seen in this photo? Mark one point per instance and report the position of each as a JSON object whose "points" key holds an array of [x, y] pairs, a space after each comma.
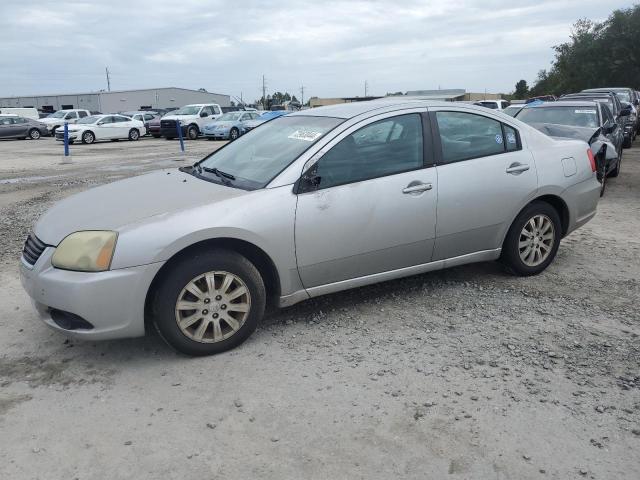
{"points": [[626, 95]]}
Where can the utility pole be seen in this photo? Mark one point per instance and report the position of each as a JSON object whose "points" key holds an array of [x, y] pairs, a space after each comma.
{"points": [[302, 95], [264, 94], [106, 69], [365, 88]]}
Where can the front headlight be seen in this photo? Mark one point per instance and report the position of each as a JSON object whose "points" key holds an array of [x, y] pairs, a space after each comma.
{"points": [[89, 251]]}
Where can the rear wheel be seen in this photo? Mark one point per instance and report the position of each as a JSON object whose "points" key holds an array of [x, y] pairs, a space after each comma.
{"points": [[34, 134], [533, 239], [134, 134], [627, 142], [209, 303], [88, 137]]}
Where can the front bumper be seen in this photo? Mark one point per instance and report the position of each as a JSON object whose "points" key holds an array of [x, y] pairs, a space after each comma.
{"points": [[59, 135], [217, 134], [112, 302]]}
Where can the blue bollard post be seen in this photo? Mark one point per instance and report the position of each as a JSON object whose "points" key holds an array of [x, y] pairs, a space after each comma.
{"points": [[66, 139], [67, 156], [179, 128]]}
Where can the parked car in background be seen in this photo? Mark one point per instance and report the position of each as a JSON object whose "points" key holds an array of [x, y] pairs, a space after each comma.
{"points": [[493, 104], [31, 113], [153, 127], [629, 96], [541, 98], [59, 118], [620, 113], [197, 251], [192, 119], [263, 118], [13, 126], [229, 126], [513, 109], [103, 127], [589, 121], [144, 116]]}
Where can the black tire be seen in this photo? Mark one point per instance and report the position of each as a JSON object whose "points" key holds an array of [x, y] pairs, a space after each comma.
{"points": [[169, 138], [179, 275], [234, 134], [88, 137], [603, 185], [34, 134], [510, 248], [627, 142], [156, 136], [134, 134], [192, 132], [53, 131]]}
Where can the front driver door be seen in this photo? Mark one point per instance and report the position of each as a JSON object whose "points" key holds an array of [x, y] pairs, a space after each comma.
{"points": [[374, 206]]}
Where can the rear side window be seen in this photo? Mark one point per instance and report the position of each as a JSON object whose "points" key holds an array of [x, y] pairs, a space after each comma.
{"points": [[82, 114], [511, 140], [464, 136], [71, 115], [382, 148]]}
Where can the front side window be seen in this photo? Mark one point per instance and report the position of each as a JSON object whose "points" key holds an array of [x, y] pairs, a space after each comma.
{"points": [[216, 110], [466, 135], [382, 148], [71, 115], [119, 119], [256, 159], [106, 120]]}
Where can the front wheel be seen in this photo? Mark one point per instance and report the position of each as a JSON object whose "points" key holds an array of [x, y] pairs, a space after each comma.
{"points": [[88, 137], [134, 134], [209, 303], [533, 239], [34, 134], [234, 134], [192, 132]]}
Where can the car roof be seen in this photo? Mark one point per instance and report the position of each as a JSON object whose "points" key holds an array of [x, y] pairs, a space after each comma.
{"points": [[607, 89], [354, 109]]}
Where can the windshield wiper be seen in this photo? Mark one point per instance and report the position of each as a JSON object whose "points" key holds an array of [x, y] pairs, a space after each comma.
{"points": [[217, 172]]}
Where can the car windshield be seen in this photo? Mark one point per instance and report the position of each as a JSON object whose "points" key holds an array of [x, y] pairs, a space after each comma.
{"points": [[229, 117], [92, 119], [567, 115], [268, 115], [512, 110], [623, 96], [257, 157], [188, 110], [58, 114]]}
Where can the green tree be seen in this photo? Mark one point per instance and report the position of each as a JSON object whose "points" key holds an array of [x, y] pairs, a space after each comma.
{"points": [[522, 90]]}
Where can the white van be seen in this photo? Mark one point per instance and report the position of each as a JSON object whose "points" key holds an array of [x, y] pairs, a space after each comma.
{"points": [[31, 113]]}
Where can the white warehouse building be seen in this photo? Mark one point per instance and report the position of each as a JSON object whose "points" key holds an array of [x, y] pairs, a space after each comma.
{"points": [[118, 100]]}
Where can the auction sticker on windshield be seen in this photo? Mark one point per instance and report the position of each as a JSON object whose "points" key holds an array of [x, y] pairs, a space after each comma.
{"points": [[306, 135]]}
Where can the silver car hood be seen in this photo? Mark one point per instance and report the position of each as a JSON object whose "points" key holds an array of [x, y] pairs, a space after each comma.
{"points": [[121, 203]]}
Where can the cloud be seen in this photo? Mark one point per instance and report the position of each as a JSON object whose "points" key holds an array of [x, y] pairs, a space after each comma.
{"points": [[332, 46]]}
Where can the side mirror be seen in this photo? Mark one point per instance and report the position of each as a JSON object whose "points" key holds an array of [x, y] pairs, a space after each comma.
{"points": [[610, 127], [309, 182], [626, 111], [204, 114]]}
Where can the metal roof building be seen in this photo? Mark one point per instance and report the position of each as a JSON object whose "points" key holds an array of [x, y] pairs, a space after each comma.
{"points": [[118, 100]]}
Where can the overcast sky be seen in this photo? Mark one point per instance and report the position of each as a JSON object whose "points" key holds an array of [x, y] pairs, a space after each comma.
{"points": [[332, 47]]}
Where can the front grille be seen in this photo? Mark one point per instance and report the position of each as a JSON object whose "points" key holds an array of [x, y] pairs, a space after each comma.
{"points": [[168, 123], [32, 250]]}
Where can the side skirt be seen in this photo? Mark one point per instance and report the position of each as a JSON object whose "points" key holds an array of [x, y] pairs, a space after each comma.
{"points": [[300, 295]]}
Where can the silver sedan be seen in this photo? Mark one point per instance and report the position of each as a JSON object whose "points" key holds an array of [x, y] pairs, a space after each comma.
{"points": [[308, 204]]}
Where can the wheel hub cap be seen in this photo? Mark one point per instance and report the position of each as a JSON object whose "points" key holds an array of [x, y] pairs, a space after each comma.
{"points": [[536, 240], [212, 307]]}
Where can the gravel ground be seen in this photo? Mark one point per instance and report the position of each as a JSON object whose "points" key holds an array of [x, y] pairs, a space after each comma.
{"points": [[468, 373]]}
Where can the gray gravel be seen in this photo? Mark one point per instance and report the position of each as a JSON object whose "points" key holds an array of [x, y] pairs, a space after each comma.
{"points": [[465, 373]]}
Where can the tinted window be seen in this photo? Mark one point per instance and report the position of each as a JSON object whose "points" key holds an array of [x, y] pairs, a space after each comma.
{"points": [[82, 114], [106, 120], [382, 148], [216, 110], [20, 120], [561, 115], [466, 135], [148, 116], [607, 116], [6, 121], [71, 115], [119, 119]]}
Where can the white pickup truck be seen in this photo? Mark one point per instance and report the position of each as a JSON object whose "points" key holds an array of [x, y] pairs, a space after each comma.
{"points": [[192, 119], [59, 118]]}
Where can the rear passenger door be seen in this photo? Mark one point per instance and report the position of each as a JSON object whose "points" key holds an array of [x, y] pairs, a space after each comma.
{"points": [[485, 176]]}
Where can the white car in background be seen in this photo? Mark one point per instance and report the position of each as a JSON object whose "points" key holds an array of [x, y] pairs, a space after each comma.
{"points": [[103, 127], [59, 118], [493, 104]]}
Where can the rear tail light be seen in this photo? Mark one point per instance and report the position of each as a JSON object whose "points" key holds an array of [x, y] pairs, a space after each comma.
{"points": [[592, 160]]}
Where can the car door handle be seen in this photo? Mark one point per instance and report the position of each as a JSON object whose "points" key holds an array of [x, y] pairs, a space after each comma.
{"points": [[417, 188], [516, 168]]}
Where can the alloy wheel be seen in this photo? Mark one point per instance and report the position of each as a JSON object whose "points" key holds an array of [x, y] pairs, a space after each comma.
{"points": [[536, 240], [34, 134], [213, 307]]}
